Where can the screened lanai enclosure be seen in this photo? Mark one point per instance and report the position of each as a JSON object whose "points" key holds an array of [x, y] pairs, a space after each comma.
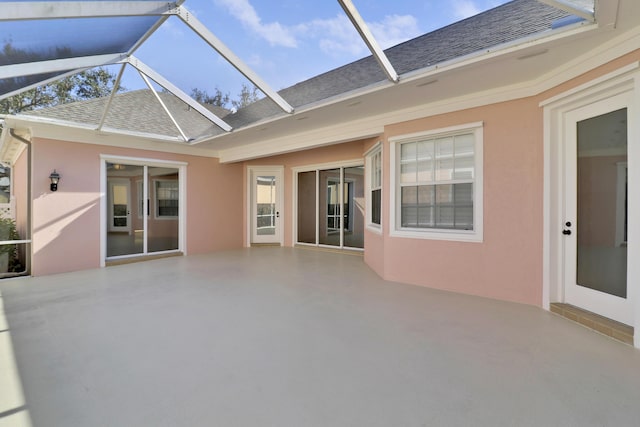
{"points": [[124, 70], [46, 43]]}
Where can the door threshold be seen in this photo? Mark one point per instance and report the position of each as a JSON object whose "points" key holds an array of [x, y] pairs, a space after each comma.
{"points": [[141, 258], [611, 328], [345, 251]]}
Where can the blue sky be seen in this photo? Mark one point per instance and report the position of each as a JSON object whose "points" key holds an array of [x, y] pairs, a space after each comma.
{"points": [[288, 41]]}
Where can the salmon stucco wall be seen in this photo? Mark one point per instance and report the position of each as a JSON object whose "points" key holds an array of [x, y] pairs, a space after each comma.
{"points": [[66, 223], [507, 264]]}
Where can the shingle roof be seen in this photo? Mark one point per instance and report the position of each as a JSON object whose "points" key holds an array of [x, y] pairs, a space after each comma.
{"points": [[503, 24], [138, 111]]}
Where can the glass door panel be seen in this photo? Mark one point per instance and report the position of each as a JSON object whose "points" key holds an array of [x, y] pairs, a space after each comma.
{"points": [[124, 229], [307, 207], [354, 209], [331, 201], [265, 220], [602, 203], [163, 219]]}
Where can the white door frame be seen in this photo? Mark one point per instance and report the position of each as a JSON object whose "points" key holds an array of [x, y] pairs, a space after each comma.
{"points": [[137, 161], [317, 168], [278, 172], [625, 80]]}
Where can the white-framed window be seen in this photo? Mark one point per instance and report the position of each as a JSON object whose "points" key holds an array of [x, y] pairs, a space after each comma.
{"points": [[437, 183], [166, 198], [374, 187]]}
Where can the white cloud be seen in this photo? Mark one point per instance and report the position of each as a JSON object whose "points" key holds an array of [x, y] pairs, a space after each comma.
{"points": [[395, 29], [465, 8], [334, 36], [169, 27], [274, 33], [337, 36]]}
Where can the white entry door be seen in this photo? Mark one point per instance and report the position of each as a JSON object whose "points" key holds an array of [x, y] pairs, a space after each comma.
{"points": [[266, 205], [596, 215], [119, 206]]}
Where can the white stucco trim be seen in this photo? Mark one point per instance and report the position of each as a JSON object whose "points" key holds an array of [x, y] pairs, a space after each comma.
{"points": [[625, 80]]}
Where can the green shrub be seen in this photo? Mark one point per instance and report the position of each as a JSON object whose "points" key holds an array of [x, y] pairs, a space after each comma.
{"points": [[8, 231]]}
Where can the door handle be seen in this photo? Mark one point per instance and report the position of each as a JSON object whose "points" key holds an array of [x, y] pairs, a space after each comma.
{"points": [[566, 232], [277, 214]]}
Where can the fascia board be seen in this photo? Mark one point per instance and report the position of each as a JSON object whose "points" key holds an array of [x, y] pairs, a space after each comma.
{"points": [[330, 135], [75, 132]]}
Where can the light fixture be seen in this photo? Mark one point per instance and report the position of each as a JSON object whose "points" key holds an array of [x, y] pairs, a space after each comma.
{"points": [[54, 177], [533, 54], [427, 83], [118, 167]]}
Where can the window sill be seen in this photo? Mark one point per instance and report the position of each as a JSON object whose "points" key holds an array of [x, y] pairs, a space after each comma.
{"points": [[445, 235]]}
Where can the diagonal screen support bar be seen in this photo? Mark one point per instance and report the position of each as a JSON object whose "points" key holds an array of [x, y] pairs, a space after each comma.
{"points": [[371, 42], [107, 107], [164, 107], [204, 33], [57, 65], [148, 71]]}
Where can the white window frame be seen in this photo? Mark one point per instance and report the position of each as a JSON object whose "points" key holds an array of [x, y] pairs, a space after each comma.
{"points": [[140, 197], [475, 235], [156, 210], [371, 185]]}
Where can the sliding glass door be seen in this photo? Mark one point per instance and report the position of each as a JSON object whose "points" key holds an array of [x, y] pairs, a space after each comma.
{"points": [[143, 209], [330, 207]]}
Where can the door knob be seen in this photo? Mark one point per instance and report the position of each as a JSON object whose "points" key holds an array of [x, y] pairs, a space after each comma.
{"points": [[566, 232]]}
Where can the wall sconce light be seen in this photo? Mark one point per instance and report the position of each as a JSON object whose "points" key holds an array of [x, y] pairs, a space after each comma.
{"points": [[54, 177]]}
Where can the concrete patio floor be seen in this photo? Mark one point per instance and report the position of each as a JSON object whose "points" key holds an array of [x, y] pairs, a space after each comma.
{"points": [[295, 337]]}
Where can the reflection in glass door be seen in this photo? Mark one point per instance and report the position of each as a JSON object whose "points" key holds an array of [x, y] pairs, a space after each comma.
{"points": [[119, 206], [149, 220], [330, 207], [602, 203]]}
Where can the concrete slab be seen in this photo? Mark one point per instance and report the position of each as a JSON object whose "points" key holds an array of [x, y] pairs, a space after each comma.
{"points": [[295, 337]]}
